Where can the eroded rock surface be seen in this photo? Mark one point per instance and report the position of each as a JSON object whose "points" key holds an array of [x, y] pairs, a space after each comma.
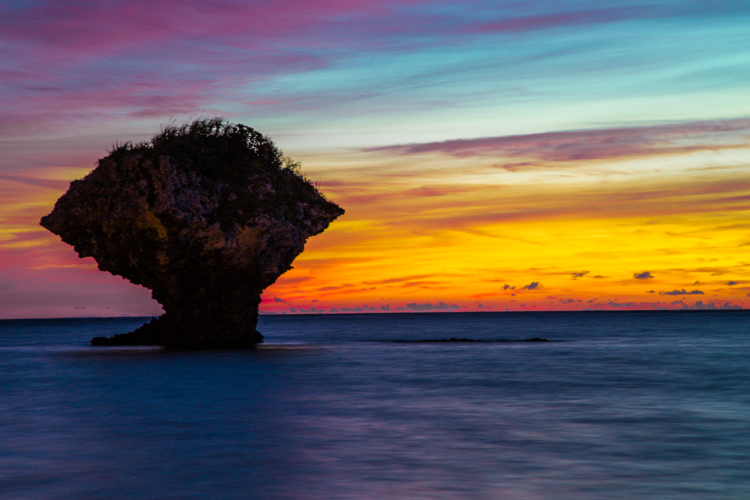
{"points": [[206, 215]]}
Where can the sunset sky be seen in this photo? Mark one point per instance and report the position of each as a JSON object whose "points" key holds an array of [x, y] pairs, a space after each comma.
{"points": [[490, 155]]}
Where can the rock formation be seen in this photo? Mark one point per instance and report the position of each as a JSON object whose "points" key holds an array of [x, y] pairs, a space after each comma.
{"points": [[206, 215]]}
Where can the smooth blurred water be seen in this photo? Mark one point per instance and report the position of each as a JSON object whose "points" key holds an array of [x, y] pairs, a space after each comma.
{"points": [[625, 405]]}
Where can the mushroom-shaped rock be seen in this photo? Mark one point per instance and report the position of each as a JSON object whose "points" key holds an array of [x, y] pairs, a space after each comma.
{"points": [[206, 215]]}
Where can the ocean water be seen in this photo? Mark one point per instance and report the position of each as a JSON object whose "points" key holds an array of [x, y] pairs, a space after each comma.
{"points": [[616, 405]]}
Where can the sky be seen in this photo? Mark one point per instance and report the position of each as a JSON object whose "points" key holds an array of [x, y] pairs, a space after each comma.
{"points": [[490, 155]]}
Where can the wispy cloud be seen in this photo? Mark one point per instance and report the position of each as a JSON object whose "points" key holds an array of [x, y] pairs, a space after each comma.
{"points": [[558, 19], [587, 145], [397, 280]]}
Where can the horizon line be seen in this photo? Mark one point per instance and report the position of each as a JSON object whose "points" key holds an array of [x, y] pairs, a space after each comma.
{"points": [[322, 313]]}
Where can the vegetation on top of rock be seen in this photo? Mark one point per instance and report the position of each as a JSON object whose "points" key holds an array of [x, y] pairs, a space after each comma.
{"points": [[234, 158], [213, 148]]}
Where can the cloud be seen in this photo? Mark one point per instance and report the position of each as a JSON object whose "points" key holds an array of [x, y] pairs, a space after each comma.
{"points": [[591, 144], [279, 300], [699, 305], [682, 292], [620, 201], [732, 283], [623, 304], [170, 57], [642, 276], [303, 310], [399, 280], [331, 288], [531, 286], [441, 306], [422, 284], [84, 60], [508, 287], [294, 280], [523, 23], [579, 274], [47, 183]]}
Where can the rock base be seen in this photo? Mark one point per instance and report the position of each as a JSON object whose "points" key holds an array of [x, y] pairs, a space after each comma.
{"points": [[158, 332]]}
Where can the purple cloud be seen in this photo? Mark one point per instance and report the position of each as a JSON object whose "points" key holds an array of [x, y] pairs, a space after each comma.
{"points": [[583, 145], [699, 305], [441, 306], [643, 276]]}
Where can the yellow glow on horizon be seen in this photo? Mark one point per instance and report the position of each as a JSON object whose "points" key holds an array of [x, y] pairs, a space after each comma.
{"points": [[461, 231]]}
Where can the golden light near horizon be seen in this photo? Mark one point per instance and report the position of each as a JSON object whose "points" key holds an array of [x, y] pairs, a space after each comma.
{"points": [[462, 231]]}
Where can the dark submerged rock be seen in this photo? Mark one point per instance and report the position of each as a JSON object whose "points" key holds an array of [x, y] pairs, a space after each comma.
{"points": [[206, 215], [454, 339]]}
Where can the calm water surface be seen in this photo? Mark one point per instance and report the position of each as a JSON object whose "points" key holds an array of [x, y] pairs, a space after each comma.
{"points": [[651, 405]]}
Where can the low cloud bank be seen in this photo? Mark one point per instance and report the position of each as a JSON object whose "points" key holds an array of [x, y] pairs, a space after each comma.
{"points": [[441, 306], [710, 306]]}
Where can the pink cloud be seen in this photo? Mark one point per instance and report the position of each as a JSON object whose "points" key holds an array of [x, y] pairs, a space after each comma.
{"points": [[47, 183], [85, 60]]}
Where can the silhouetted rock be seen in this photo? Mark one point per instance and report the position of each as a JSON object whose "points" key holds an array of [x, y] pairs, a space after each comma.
{"points": [[206, 215]]}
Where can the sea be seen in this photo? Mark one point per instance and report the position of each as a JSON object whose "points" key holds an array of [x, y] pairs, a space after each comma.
{"points": [[614, 405]]}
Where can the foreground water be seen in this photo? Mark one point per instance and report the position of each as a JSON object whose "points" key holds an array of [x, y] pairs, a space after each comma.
{"points": [[646, 405]]}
